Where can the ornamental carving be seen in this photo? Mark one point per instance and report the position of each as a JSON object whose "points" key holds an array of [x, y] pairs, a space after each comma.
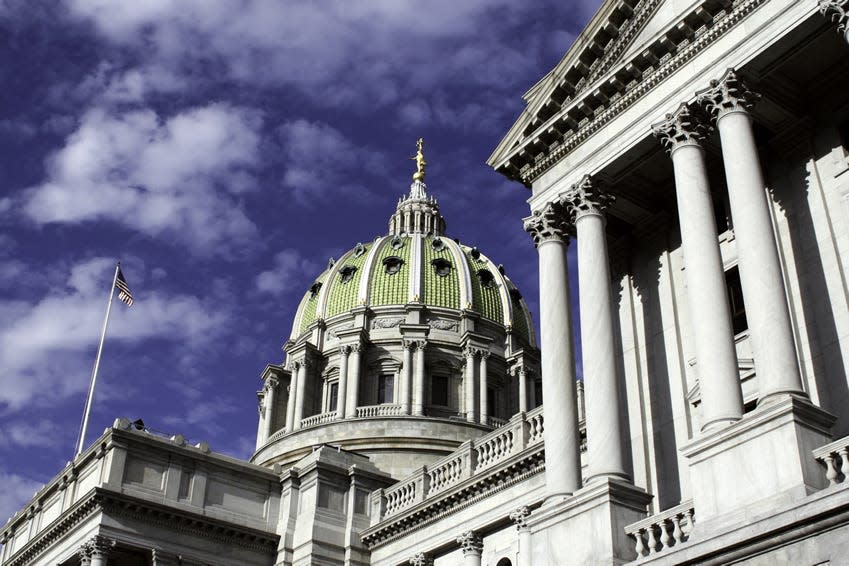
{"points": [[728, 94], [681, 127], [470, 542], [547, 224], [335, 332], [586, 197], [520, 517], [421, 559], [344, 350], [442, 324], [837, 11], [96, 547], [386, 322], [271, 383], [418, 344]]}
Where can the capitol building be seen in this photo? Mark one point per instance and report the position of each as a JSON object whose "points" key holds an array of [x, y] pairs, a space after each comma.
{"points": [[696, 154]]}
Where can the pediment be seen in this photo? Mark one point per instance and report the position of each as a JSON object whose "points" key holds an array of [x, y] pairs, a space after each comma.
{"points": [[605, 61]]}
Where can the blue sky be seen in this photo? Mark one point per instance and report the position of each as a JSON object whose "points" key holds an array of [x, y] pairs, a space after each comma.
{"points": [[223, 151]]}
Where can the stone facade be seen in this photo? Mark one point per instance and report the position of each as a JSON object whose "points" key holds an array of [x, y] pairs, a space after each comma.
{"points": [[698, 154]]}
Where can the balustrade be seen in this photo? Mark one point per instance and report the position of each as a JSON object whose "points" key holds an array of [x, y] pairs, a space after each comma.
{"points": [[663, 531], [318, 419], [835, 458], [385, 410]]}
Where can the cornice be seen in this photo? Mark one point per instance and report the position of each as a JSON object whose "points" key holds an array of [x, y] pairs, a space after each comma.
{"points": [[561, 133]]}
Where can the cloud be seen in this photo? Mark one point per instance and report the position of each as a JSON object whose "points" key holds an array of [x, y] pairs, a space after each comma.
{"points": [[175, 178], [290, 272], [16, 491], [321, 162], [46, 345]]}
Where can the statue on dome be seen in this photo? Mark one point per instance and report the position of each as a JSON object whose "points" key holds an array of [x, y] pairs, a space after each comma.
{"points": [[420, 161]]}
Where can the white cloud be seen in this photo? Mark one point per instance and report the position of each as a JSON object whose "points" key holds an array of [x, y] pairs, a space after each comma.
{"points": [[321, 162], [45, 346], [175, 178], [290, 272], [16, 491]]}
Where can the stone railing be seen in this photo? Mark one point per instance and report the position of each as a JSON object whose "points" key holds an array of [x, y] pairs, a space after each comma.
{"points": [[665, 530], [522, 431], [318, 419], [385, 410], [496, 422], [835, 458]]}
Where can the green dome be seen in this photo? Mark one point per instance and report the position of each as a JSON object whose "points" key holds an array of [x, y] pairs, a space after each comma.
{"points": [[411, 265]]}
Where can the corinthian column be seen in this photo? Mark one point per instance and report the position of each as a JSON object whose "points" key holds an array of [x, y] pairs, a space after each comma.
{"points": [[290, 403], [562, 439], [586, 203], [419, 378], [770, 329], [469, 384], [95, 551], [472, 546], [406, 377], [838, 12], [523, 389], [342, 392], [520, 519], [353, 393], [270, 401], [300, 390], [710, 316], [484, 388]]}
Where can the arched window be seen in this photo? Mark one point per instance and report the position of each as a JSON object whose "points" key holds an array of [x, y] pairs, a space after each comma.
{"points": [[504, 562]]}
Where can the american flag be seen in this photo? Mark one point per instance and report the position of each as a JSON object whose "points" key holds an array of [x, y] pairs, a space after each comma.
{"points": [[124, 293]]}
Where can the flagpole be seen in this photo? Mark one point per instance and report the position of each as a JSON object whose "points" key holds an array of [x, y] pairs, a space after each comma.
{"points": [[96, 364]]}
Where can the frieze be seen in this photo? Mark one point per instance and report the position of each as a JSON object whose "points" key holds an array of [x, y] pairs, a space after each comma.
{"points": [[334, 334], [387, 322], [443, 324]]}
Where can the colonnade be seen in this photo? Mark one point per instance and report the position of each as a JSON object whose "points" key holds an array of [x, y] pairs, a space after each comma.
{"points": [[581, 210]]}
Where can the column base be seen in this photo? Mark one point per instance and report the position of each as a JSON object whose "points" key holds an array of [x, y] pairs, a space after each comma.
{"points": [[588, 527], [764, 458]]}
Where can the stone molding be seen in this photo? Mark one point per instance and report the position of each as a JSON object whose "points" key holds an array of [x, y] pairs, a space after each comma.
{"points": [[538, 163], [682, 127], [548, 224], [392, 322], [837, 11], [471, 543], [726, 95], [586, 197], [520, 516], [97, 546], [421, 559]]}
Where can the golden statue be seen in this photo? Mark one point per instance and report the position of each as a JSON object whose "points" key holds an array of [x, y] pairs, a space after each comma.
{"points": [[420, 161]]}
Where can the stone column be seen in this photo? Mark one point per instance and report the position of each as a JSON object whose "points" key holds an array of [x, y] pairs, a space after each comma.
{"points": [[300, 390], [342, 392], [95, 551], [562, 437], [523, 389], [353, 394], [419, 378], [469, 384], [270, 399], [586, 203], [421, 559], [472, 546], [838, 12], [406, 377], [484, 388], [520, 519], [290, 403], [710, 316], [260, 430], [770, 328]]}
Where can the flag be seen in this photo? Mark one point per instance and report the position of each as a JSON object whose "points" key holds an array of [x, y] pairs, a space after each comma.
{"points": [[124, 293]]}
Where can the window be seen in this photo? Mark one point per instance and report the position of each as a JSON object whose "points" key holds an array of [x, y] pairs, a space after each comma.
{"points": [[385, 388], [439, 390], [330, 497], [333, 396], [437, 245], [442, 266], [314, 289], [735, 300], [392, 264], [397, 243], [347, 273], [486, 277]]}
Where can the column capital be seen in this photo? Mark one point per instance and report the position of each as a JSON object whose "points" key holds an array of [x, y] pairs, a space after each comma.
{"points": [[470, 352], [726, 95], [551, 222], [344, 350], [680, 128], [271, 383], [520, 517], [470, 542], [416, 344], [586, 197], [97, 546], [357, 347], [837, 11], [484, 354], [420, 559]]}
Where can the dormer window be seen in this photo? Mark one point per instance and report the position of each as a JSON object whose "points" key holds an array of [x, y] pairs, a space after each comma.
{"points": [[476, 253], [359, 250], [515, 295], [442, 266], [397, 243], [314, 289], [438, 245], [347, 273], [392, 264], [486, 277]]}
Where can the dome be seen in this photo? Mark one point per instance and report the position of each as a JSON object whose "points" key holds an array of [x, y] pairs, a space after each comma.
{"points": [[403, 349]]}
